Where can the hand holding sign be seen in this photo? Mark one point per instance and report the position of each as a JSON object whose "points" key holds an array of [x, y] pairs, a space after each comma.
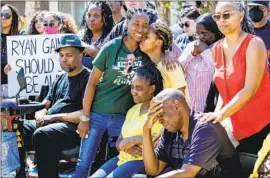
{"points": [[7, 69], [36, 55]]}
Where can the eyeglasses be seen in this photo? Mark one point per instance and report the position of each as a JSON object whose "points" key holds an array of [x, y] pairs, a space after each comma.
{"points": [[6, 15], [186, 24], [51, 24], [197, 34], [225, 16]]}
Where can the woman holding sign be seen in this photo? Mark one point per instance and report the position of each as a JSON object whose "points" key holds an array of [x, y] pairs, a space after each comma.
{"points": [[10, 21], [10, 24]]}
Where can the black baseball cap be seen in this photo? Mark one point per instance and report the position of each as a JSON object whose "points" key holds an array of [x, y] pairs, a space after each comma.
{"points": [[259, 3], [70, 41]]}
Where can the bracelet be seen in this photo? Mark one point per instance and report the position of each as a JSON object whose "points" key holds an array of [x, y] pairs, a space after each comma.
{"points": [[84, 118]]}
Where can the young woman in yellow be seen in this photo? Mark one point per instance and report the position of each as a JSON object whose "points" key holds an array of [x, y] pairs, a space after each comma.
{"points": [[156, 45], [146, 83]]}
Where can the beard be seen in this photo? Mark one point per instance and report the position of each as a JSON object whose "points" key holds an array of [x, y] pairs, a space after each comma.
{"points": [[67, 69]]}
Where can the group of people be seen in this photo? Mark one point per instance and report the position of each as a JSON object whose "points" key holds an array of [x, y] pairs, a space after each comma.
{"points": [[180, 106]]}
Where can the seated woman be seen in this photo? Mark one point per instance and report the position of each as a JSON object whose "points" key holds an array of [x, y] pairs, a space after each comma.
{"points": [[146, 83], [156, 45], [97, 23], [197, 61]]}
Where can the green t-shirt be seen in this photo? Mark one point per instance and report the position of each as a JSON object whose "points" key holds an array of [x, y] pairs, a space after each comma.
{"points": [[112, 95]]}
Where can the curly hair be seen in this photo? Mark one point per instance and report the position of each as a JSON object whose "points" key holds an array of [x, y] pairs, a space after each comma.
{"points": [[32, 29], [68, 25], [108, 23]]}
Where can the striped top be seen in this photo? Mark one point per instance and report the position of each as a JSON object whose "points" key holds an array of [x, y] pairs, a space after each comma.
{"points": [[199, 71]]}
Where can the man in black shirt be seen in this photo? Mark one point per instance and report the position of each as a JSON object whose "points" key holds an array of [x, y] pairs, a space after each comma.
{"points": [[188, 147], [58, 121], [258, 12]]}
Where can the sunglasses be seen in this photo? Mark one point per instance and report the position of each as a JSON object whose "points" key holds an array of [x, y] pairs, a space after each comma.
{"points": [[51, 24], [225, 16], [186, 24], [6, 15]]}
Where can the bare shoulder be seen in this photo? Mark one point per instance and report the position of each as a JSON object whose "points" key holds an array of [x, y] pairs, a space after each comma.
{"points": [[256, 50], [256, 43]]}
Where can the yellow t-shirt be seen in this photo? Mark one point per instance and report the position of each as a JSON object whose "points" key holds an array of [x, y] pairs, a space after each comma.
{"points": [[172, 79], [133, 126]]}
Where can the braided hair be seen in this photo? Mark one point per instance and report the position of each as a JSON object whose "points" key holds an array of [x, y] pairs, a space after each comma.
{"points": [[14, 29], [163, 32], [247, 25], [151, 5], [108, 23], [151, 14], [32, 29], [152, 75]]}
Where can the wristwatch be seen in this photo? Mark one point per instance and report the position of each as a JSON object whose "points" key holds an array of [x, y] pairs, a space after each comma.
{"points": [[84, 118]]}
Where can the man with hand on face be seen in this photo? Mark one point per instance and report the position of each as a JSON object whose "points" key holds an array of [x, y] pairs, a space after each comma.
{"points": [[188, 147], [259, 14], [63, 104]]}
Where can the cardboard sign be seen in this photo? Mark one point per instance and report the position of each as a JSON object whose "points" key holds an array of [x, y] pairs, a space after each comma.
{"points": [[36, 55]]}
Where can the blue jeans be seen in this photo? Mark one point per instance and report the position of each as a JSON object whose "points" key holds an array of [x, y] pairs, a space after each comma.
{"points": [[98, 124], [126, 170]]}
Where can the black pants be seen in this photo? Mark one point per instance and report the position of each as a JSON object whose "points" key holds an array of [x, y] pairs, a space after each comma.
{"points": [[48, 142], [253, 143]]}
